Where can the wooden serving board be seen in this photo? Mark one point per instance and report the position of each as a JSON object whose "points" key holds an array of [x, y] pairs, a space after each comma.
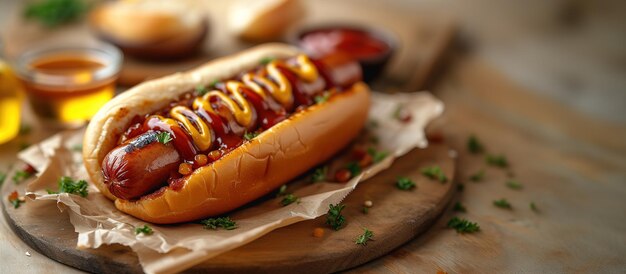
{"points": [[396, 217]]}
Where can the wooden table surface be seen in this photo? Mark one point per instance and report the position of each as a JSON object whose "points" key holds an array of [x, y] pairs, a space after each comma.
{"points": [[572, 165]]}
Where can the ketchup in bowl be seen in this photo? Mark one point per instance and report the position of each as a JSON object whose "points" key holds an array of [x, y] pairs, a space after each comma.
{"points": [[371, 48]]}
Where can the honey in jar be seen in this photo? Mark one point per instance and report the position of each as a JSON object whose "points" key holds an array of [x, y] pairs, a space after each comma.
{"points": [[10, 102], [67, 86]]}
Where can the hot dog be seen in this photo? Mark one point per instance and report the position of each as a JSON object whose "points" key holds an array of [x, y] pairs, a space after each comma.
{"points": [[186, 146]]}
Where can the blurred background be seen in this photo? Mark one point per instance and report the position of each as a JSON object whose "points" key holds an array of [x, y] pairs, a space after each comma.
{"points": [[571, 51], [567, 51], [542, 81]]}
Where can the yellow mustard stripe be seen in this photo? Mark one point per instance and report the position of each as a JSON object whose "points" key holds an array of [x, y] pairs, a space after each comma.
{"points": [[282, 93], [305, 69], [280, 89], [249, 79], [170, 122], [240, 108], [202, 135]]}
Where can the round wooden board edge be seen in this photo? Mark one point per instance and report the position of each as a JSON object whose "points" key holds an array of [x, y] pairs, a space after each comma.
{"points": [[94, 262]]}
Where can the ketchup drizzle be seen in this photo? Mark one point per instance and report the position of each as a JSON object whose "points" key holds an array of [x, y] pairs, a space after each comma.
{"points": [[226, 133]]}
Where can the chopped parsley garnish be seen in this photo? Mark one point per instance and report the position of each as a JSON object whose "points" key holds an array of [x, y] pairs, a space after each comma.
{"points": [[354, 168], [334, 218], [250, 135], [68, 185], [3, 176], [25, 129], [404, 183], [24, 145], [266, 60], [534, 207], [366, 210], [17, 203], [21, 175], [502, 203], [459, 207], [463, 225], [213, 84], [372, 123], [15, 199], [78, 147], [497, 160], [474, 145], [319, 174], [289, 199], [145, 230], [321, 98], [52, 13], [282, 191], [164, 137], [215, 223], [366, 236], [478, 176], [201, 90], [514, 184], [435, 173], [377, 156]]}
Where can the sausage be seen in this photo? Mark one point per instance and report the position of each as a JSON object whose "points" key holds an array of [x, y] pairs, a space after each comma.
{"points": [[139, 166], [339, 70]]}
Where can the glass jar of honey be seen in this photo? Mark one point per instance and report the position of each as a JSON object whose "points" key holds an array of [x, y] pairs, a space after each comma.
{"points": [[10, 103], [66, 86]]}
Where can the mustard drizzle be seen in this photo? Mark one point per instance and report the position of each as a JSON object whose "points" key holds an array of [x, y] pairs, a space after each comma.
{"points": [[274, 83]]}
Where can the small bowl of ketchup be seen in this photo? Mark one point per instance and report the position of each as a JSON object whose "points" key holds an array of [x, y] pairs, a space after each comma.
{"points": [[371, 47]]}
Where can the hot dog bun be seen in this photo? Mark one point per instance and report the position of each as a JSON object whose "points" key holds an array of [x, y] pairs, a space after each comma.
{"points": [[253, 169], [150, 29], [145, 22], [264, 20]]}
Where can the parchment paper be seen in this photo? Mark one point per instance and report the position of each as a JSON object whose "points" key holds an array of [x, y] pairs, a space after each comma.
{"points": [[176, 248]]}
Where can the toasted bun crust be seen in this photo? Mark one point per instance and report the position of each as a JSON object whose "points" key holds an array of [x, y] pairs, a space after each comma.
{"points": [[153, 30], [146, 22], [263, 20], [276, 156]]}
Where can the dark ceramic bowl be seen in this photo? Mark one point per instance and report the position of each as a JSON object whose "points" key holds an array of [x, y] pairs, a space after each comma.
{"points": [[372, 66]]}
